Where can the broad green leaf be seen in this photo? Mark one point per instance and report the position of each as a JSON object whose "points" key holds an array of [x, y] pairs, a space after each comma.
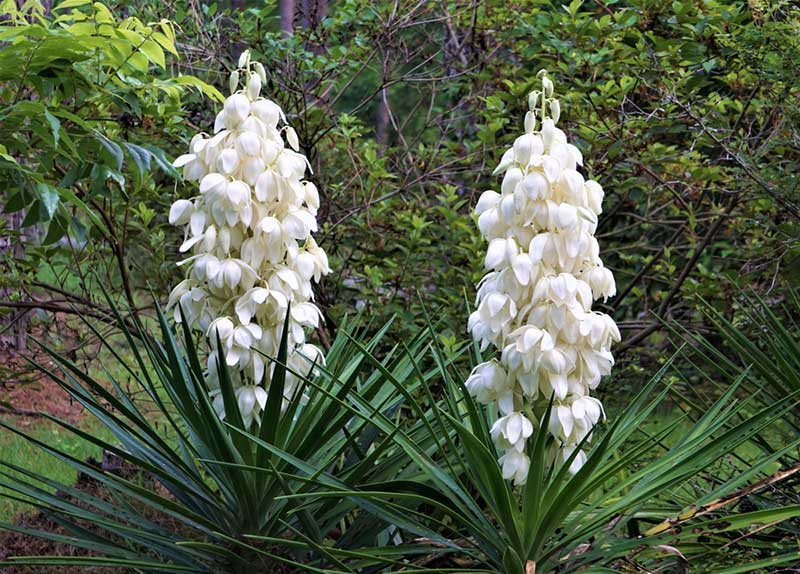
{"points": [[49, 198], [71, 4], [153, 52], [55, 126]]}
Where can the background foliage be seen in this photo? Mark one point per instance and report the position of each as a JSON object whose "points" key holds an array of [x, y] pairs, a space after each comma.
{"points": [[686, 112]]}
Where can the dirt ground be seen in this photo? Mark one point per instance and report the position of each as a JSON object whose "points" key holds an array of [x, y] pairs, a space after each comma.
{"points": [[31, 399], [26, 394], [29, 392]]}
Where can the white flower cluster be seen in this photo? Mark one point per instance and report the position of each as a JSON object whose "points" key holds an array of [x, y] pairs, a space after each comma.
{"points": [[249, 230], [535, 303]]}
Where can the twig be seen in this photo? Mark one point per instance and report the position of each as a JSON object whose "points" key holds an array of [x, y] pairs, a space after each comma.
{"points": [[714, 505]]}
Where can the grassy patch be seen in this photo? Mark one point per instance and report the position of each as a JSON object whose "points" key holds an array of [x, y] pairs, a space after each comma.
{"points": [[18, 451]]}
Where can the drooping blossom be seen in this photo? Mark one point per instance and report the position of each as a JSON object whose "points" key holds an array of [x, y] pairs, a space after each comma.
{"points": [[248, 233], [534, 306]]}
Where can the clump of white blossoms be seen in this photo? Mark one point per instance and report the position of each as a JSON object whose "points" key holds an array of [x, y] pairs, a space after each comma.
{"points": [[535, 303], [249, 231]]}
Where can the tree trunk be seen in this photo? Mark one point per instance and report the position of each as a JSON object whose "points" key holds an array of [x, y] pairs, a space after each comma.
{"points": [[314, 11], [382, 124], [287, 8], [14, 330], [382, 118], [459, 54]]}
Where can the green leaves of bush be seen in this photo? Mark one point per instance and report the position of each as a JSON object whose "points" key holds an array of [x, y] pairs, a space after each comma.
{"points": [[86, 102]]}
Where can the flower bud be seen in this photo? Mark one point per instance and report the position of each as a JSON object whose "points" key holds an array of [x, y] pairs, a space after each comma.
{"points": [[254, 86], [291, 137], [547, 87], [555, 110], [533, 100], [530, 122], [233, 81], [262, 74]]}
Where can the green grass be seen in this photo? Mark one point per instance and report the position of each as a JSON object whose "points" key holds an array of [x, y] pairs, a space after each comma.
{"points": [[18, 451], [739, 459]]}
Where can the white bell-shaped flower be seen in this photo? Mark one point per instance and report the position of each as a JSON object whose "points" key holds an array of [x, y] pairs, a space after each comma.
{"points": [[512, 431], [490, 383], [515, 465]]}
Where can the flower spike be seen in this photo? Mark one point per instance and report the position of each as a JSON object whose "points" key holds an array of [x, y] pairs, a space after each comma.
{"points": [[535, 303], [250, 233]]}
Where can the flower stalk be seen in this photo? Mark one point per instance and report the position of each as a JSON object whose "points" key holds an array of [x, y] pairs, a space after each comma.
{"points": [[535, 303], [249, 231]]}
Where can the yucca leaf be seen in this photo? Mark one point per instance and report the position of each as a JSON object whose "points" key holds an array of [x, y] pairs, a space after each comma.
{"points": [[759, 565], [93, 561], [534, 485], [272, 411]]}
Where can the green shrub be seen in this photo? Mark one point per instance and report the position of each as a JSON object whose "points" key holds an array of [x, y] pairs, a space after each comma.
{"points": [[87, 111]]}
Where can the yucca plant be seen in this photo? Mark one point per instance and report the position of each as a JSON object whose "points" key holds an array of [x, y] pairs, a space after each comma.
{"points": [[760, 345], [217, 487], [639, 501], [370, 471]]}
